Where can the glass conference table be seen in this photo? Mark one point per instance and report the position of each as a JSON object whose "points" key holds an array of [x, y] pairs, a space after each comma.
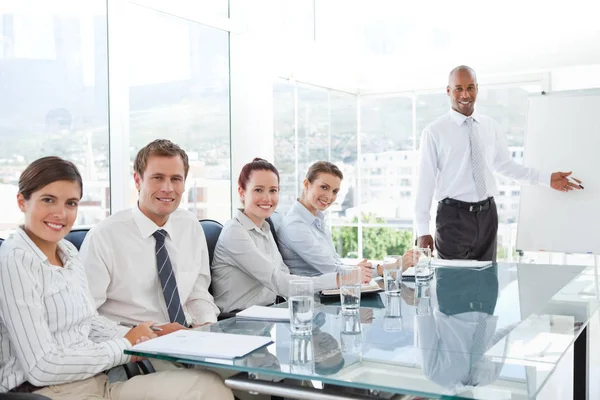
{"points": [[508, 331]]}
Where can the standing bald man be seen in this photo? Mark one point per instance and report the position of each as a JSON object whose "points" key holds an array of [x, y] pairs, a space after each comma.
{"points": [[460, 151]]}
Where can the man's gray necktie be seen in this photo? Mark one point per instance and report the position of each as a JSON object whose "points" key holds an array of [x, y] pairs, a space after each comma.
{"points": [[477, 161], [167, 279]]}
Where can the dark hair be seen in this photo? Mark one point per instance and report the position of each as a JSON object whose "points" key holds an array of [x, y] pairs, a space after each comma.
{"points": [[323, 167], [161, 148], [46, 170], [258, 164]]}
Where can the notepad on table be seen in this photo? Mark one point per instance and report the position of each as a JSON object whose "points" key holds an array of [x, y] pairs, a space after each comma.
{"points": [[409, 273], [261, 313], [436, 262], [190, 343], [365, 288]]}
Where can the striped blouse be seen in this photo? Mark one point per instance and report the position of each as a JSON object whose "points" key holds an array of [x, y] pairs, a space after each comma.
{"points": [[50, 331]]}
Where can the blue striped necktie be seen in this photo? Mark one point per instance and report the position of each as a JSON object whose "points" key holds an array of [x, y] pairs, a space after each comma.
{"points": [[167, 279]]}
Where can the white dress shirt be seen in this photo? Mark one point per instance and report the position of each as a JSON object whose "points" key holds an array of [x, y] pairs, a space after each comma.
{"points": [[306, 243], [120, 262], [445, 163], [50, 331], [247, 267]]}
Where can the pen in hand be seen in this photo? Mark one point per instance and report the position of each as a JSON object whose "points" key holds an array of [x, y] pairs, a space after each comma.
{"points": [[128, 325], [574, 181]]}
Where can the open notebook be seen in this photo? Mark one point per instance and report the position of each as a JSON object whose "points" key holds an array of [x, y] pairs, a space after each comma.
{"points": [[190, 343]]}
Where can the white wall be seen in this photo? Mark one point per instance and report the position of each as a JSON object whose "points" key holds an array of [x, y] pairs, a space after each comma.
{"points": [[251, 92]]}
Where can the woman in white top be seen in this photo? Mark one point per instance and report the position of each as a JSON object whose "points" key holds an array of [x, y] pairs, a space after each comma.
{"points": [[304, 239], [247, 268], [52, 340]]}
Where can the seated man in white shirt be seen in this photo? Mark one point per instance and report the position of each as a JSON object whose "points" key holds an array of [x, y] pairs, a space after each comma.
{"points": [[150, 262]]}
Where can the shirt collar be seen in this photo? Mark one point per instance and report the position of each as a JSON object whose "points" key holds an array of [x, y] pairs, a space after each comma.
{"points": [[248, 224], [306, 215], [146, 226], [460, 119], [64, 251]]}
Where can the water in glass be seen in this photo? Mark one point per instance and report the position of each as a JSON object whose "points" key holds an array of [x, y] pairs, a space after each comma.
{"points": [[301, 314]]}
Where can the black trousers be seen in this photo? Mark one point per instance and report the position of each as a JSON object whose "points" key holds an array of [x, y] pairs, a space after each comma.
{"points": [[466, 235]]}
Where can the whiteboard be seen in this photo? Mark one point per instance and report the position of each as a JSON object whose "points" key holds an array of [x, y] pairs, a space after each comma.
{"points": [[563, 134]]}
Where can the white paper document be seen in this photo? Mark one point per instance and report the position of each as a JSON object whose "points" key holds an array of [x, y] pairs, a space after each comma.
{"points": [[189, 343], [260, 313], [436, 262]]}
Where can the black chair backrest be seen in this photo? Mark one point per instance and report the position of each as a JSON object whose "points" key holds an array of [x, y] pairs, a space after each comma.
{"points": [[274, 232], [212, 230], [76, 236], [22, 396]]}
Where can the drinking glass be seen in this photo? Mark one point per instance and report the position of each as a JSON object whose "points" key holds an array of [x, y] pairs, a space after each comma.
{"points": [[422, 262], [392, 275], [350, 282], [302, 304]]}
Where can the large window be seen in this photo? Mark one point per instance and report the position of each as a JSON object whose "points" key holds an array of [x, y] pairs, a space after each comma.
{"points": [[313, 124], [179, 90], [374, 214], [284, 111], [53, 75], [387, 160]]}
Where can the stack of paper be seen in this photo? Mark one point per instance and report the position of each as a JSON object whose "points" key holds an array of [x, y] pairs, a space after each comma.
{"points": [[189, 343], [260, 313]]}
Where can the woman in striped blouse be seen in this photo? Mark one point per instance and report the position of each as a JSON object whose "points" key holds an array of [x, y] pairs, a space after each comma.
{"points": [[52, 340]]}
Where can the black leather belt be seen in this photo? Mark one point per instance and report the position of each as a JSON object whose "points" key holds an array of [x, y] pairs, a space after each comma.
{"points": [[26, 387], [472, 207]]}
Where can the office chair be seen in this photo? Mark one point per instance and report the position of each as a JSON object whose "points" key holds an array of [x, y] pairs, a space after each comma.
{"points": [[76, 236], [212, 230], [274, 222]]}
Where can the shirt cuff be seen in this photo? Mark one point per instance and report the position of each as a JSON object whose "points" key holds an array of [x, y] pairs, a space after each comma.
{"points": [[544, 178], [123, 358], [121, 332], [327, 281], [422, 229], [204, 315]]}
